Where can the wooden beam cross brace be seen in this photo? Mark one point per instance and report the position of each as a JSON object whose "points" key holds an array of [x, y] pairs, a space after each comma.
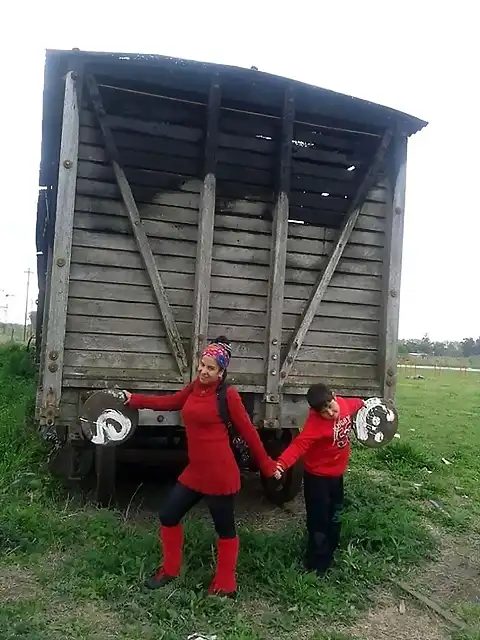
{"points": [[324, 279], [138, 231]]}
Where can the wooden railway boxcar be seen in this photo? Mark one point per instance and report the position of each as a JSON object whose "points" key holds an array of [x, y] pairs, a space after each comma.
{"points": [[181, 200]]}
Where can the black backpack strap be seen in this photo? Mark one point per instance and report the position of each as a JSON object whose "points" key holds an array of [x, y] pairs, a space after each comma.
{"points": [[223, 405], [239, 447]]}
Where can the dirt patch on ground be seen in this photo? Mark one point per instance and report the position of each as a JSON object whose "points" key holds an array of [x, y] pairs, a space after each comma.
{"points": [[385, 620], [452, 581], [141, 502], [94, 617], [58, 615], [455, 577], [95, 620], [17, 584]]}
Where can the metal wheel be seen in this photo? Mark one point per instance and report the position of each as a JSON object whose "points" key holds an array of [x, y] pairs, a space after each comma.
{"points": [[285, 490]]}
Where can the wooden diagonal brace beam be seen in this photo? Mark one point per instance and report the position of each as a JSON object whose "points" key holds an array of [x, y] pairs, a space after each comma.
{"points": [[324, 280], [206, 224], [139, 232], [278, 260]]}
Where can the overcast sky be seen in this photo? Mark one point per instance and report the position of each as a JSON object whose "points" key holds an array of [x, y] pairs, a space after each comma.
{"points": [[416, 60]]}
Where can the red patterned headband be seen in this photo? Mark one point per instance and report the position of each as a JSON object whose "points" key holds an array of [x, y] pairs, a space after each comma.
{"points": [[219, 353]]}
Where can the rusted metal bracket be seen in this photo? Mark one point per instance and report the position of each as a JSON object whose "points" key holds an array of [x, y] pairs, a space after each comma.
{"points": [[324, 280], [206, 226], [138, 231], [278, 261], [50, 408]]}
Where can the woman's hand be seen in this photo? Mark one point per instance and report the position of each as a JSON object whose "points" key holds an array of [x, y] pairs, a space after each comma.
{"points": [[128, 395], [279, 472]]}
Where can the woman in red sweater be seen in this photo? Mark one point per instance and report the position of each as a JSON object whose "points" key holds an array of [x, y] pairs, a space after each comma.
{"points": [[212, 472]]}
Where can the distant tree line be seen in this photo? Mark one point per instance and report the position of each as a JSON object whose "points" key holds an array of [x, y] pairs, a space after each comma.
{"points": [[449, 348]]}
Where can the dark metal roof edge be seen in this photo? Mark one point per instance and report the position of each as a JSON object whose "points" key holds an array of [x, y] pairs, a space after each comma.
{"points": [[407, 123]]}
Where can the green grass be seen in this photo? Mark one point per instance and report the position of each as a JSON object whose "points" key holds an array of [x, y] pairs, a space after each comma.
{"points": [[77, 571], [439, 420]]}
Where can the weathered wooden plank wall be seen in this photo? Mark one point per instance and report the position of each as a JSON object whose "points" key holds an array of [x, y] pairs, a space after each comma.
{"points": [[114, 331], [343, 340], [353, 296]]}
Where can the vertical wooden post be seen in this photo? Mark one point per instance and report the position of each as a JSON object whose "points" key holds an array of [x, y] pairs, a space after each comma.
{"points": [[278, 253], [206, 225], [393, 266], [60, 267]]}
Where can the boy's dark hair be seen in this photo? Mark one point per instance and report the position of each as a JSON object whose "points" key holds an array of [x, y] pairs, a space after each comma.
{"points": [[319, 396]]}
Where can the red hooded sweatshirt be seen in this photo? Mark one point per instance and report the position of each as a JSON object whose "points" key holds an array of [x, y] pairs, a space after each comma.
{"points": [[324, 442], [211, 468]]}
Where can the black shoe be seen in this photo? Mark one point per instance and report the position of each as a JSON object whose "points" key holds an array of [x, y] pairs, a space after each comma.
{"points": [[158, 580], [311, 568]]}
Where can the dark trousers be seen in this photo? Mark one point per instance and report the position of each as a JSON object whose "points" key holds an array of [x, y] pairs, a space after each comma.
{"points": [[182, 499], [323, 504]]}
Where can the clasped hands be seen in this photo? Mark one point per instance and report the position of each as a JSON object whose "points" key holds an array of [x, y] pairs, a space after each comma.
{"points": [[279, 471]]}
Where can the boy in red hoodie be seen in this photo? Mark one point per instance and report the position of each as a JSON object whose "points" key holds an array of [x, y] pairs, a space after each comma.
{"points": [[325, 445]]}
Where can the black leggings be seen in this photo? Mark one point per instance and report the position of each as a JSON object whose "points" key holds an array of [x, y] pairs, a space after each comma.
{"points": [[182, 499]]}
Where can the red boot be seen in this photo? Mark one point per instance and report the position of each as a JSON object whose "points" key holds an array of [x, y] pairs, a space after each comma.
{"points": [[172, 542], [224, 583]]}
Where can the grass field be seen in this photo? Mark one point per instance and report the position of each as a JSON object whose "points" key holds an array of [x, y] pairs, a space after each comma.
{"points": [[69, 571], [13, 333], [472, 362]]}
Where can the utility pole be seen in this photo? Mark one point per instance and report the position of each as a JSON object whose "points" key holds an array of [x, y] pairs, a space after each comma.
{"points": [[29, 272]]}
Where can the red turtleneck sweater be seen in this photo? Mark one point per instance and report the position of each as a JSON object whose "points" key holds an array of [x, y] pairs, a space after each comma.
{"points": [[324, 443], [211, 468]]}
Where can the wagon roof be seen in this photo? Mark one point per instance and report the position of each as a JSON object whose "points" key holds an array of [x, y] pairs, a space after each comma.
{"points": [[245, 87]]}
